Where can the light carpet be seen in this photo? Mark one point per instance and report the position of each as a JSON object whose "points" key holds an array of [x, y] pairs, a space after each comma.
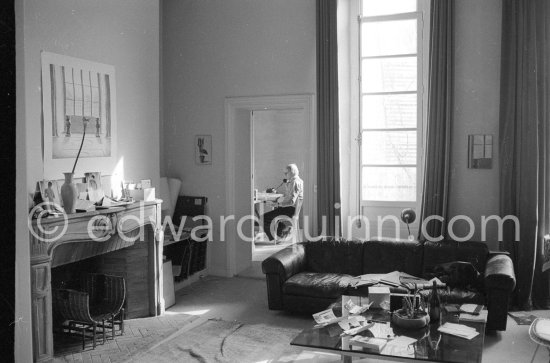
{"points": [[224, 341]]}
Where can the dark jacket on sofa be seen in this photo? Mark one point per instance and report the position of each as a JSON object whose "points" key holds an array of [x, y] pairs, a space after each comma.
{"points": [[309, 276]]}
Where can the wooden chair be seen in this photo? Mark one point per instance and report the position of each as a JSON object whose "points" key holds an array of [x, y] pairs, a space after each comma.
{"points": [[294, 235]]}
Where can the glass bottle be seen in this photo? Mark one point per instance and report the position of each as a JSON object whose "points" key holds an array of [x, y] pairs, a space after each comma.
{"points": [[435, 305]]}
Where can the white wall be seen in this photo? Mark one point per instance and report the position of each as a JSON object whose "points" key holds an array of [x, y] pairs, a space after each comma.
{"points": [[279, 140], [122, 33], [475, 192], [226, 48]]}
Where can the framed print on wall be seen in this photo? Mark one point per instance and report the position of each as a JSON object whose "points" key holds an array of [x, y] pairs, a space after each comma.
{"points": [[203, 149], [480, 151], [78, 106]]}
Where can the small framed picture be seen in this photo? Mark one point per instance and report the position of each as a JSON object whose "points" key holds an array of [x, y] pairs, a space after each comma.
{"points": [[49, 190], [82, 191], [480, 151], [203, 149], [95, 191]]}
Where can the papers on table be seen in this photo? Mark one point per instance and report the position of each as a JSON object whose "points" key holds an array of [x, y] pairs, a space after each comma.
{"points": [[325, 317], [352, 322], [399, 347], [375, 344], [458, 330], [470, 308], [382, 330], [481, 317], [354, 331], [354, 309]]}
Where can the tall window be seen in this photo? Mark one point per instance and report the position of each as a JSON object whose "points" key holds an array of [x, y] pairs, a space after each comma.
{"points": [[391, 63], [82, 92]]}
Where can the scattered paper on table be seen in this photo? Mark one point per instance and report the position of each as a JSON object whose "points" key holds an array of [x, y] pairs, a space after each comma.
{"points": [[481, 317], [375, 344], [381, 330], [324, 317], [344, 324], [458, 330], [357, 330], [354, 309], [468, 308], [356, 320], [400, 347]]}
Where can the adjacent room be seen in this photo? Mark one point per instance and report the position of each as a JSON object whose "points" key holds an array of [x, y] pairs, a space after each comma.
{"points": [[282, 180]]}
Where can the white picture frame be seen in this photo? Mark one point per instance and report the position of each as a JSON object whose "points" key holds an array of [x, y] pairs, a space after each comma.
{"points": [[50, 192], [75, 90], [203, 149]]}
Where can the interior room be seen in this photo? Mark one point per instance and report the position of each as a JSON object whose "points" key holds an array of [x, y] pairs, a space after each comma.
{"points": [[403, 144]]}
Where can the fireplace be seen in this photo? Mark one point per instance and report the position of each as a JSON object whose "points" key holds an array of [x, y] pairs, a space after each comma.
{"points": [[124, 241]]}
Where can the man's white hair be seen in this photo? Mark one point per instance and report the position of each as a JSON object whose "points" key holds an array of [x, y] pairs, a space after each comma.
{"points": [[294, 169]]}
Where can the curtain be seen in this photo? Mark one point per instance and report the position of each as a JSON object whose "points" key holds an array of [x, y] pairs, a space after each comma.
{"points": [[435, 188], [524, 150], [328, 164]]}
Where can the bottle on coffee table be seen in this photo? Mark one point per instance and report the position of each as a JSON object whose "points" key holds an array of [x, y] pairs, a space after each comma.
{"points": [[435, 305]]}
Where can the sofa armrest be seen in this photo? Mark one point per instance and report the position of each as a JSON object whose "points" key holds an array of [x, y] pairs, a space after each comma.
{"points": [[280, 267], [286, 263], [500, 281], [499, 273]]}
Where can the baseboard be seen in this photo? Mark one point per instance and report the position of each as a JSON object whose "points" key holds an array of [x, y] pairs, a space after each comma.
{"points": [[190, 280], [221, 272]]}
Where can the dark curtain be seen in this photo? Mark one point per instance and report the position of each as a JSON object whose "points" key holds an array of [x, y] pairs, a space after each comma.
{"points": [[328, 163], [435, 188], [524, 136]]}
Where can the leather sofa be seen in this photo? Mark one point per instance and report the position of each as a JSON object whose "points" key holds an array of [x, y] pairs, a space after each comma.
{"points": [[307, 277]]}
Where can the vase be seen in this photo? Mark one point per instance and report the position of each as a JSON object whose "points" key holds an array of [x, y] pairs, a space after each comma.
{"points": [[420, 319], [69, 194]]}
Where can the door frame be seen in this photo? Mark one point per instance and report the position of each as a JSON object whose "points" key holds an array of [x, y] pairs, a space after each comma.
{"points": [[232, 122]]}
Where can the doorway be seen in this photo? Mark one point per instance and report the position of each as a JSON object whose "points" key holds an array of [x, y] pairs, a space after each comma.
{"points": [[279, 137], [239, 168]]}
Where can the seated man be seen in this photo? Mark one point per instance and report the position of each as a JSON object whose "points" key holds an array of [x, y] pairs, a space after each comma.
{"points": [[294, 190]]}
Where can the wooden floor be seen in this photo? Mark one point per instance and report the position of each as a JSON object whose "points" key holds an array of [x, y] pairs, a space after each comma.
{"points": [[244, 299]]}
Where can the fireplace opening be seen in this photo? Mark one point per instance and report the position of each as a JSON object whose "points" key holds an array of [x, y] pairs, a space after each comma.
{"points": [[130, 263], [87, 306], [68, 276]]}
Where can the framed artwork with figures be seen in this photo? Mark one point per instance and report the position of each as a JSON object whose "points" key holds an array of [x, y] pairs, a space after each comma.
{"points": [[203, 149], [49, 190], [79, 108], [95, 190]]}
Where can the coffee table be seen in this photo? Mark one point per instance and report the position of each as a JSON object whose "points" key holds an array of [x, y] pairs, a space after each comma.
{"points": [[428, 346]]}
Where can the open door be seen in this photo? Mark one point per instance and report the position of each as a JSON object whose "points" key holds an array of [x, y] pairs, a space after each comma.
{"points": [[278, 139]]}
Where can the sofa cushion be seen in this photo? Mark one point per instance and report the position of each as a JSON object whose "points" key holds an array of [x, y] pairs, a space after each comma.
{"points": [[437, 253], [314, 284], [383, 256], [335, 256]]}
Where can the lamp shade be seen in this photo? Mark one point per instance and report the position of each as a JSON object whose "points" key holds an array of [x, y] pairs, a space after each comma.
{"points": [[408, 215]]}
